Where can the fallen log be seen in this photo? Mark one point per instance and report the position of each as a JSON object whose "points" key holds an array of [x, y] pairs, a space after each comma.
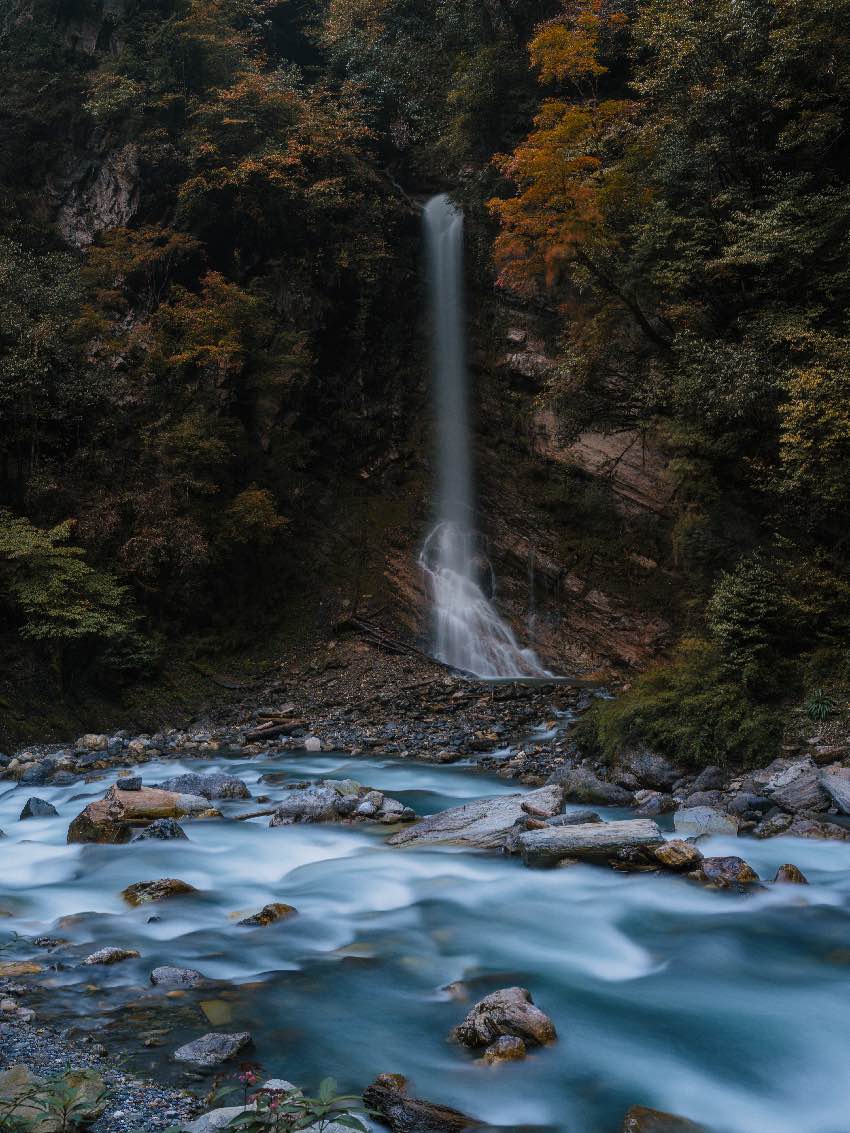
{"points": [[586, 840]]}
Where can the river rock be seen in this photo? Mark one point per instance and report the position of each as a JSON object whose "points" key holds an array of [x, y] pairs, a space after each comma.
{"points": [[746, 802], [112, 818], [509, 1011], [276, 911], [815, 828], [38, 808], [725, 872], [111, 956], [676, 855], [144, 892], [212, 1049], [800, 789], [640, 1119], [574, 818], [773, 825], [483, 824], [506, 1048], [581, 785], [790, 875], [35, 774], [129, 783], [704, 820], [163, 830], [837, 786], [218, 1119], [590, 840], [709, 779], [388, 1097], [339, 801], [652, 803], [215, 785], [167, 976], [92, 742], [650, 770]]}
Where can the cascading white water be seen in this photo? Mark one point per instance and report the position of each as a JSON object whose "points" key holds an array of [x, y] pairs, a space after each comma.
{"points": [[468, 632]]}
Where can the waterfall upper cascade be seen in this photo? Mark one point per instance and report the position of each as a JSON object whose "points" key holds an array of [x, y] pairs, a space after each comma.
{"points": [[469, 634]]}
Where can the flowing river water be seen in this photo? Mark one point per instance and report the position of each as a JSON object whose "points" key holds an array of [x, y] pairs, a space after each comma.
{"points": [[732, 1010]]}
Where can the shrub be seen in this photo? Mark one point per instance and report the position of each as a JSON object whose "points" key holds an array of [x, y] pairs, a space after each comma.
{"points": [[689, 710]]}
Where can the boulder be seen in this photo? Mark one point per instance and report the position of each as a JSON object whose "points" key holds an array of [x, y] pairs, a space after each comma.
{"points": [[799, 788], [652, 803], [215, 785], [709, 779], [38, 808], [163, 830], [581, 785], [640, 1119], [92, 742], [276, 911], [838, 788], [725, 872], [746, 801], [814, 828], [676, 855], [483, 824], [212, 1049], [772, 825], [339, 800], [591, 840], [704, 820], [650, 770], [218, 1119], [143, 892], [509, 1011], [790, 875], [167, 976], [387, 1096], [112, 956], [111, 818], [35, 774]]}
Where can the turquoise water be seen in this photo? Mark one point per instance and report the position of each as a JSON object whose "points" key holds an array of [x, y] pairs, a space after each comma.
{"points": [[731, 1010]]}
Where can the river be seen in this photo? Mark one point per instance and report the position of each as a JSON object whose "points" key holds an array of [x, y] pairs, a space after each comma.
{"points": [[729, 1009]]}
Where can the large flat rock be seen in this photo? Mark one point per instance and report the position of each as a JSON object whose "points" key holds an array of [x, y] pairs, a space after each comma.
{"points": [[484, 823], [588, 840]]}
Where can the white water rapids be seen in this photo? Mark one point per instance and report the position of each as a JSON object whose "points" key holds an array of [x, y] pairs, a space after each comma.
{"points": [[468, 632]]}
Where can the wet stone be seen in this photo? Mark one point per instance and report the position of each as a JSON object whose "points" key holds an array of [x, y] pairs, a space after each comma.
{"points": [[143, 892], [276, 911], [111, 956], [38, 808], [790, 875], [509, 1011], [212, 1049]]}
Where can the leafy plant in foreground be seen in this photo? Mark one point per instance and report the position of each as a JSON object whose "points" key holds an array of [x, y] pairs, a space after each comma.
{"points": [[819, 706]]}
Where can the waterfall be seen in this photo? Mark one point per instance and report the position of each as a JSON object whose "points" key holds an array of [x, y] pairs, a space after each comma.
{"points": [[468, 632]]}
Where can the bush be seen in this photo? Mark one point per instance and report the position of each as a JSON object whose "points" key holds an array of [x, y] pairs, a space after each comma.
{"points": [[688, 710]]}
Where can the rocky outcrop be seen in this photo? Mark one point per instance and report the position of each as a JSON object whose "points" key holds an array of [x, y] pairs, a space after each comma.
{"points": [[593, 841], [99, 193], [483, 824], [704, 820]]}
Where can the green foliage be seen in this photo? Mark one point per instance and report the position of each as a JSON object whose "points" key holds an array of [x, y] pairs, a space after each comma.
{"points": [[65, 1103], [56, 594], [274, 1113], [819, 706], [752, 621], [689, 709]]}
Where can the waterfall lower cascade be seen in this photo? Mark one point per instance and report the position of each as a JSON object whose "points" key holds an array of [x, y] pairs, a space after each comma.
{"points": [[469, 634]]}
